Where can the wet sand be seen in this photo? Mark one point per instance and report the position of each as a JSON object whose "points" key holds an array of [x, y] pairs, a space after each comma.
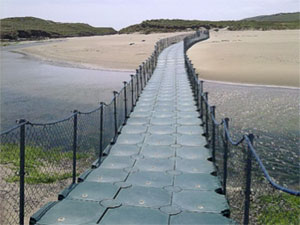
{"points": [[252, 57], [113, 52]]}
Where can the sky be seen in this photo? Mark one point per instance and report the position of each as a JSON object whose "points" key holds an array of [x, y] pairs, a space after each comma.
{"points": [[121, 13]]}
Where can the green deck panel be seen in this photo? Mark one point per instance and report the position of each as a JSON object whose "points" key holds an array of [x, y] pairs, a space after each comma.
{"points": [[162, 152], [150, 179], [155, 164], [162, 129], [192, 152], [195, 166], [197, 181], [144, 197], [124, 150], [73, 212], [134, 216], [160, 140], [107, 175], [93, 191], [134, 129], [117, 162], [200, 201], [131, 139]]}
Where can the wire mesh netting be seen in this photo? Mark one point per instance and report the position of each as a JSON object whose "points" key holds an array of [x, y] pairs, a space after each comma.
{"points": [[128, 98], [48, 162], [121, 108], [108, 124], [88, 144], [9, 170]]}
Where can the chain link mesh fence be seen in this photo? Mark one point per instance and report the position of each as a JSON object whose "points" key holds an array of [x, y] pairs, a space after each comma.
{"points": [[9, 170]]}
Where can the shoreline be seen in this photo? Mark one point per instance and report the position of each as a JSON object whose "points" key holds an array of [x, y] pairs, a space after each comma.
{"points": [[69, 64], [250, 85]]}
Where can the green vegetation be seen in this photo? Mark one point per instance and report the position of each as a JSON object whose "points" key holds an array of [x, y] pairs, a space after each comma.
{"points": [[282, 17], [40, 166], [280, 208], [31, 28], [165, 25]]}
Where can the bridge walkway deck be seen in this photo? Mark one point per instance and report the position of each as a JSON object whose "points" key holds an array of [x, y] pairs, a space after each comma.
{"points": [[158, 171]]}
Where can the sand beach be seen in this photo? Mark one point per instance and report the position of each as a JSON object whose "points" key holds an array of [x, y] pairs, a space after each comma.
{"points": [[123, 52], [251, 57]]}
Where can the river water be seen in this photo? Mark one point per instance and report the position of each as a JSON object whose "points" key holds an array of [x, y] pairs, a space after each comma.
{"points": [[40, 92]]}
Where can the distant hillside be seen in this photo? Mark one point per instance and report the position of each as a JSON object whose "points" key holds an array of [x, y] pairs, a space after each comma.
{"points": [[282, 17], [25, 28], [165, 25]]}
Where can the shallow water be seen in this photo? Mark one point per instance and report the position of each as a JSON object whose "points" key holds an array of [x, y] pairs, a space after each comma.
{"points": [[272, 115], [40, 92]]}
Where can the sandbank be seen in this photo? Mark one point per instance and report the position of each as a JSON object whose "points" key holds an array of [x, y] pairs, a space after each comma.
{"points": [[251, 57], [111, 52]]}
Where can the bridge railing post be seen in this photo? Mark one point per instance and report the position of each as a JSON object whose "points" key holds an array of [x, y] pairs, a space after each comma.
{"points": [[248, 170], [213, 139], [125, 102], [75, 126], [101, 131], [141, 77], [132, 93], [201, 99], [137, 84], [225, 156], [22, 172], [115, 115], [144, 74], [206, 115]]}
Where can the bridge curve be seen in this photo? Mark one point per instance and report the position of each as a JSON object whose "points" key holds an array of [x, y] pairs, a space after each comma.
{"points": [[158, 171]]}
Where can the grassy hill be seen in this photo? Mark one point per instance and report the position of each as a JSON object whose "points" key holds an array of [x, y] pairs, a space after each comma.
{"points": [[29, 28], [282, 17], [165, 25]]}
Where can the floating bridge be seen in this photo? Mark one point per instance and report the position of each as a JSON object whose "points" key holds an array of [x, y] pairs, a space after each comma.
{"points": [[158, 171], [155, 154]]}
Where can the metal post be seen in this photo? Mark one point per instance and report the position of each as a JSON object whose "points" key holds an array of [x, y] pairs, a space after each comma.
{"points": [[144, 73], [125, 102], [248, 169], [115, 114], [101, 130], [141, 77], [197, 95], [132, 93], [206, 115], [74, 145], [225, 155], [201, 99], [137, 84], [213, 141], [22, 171]]}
